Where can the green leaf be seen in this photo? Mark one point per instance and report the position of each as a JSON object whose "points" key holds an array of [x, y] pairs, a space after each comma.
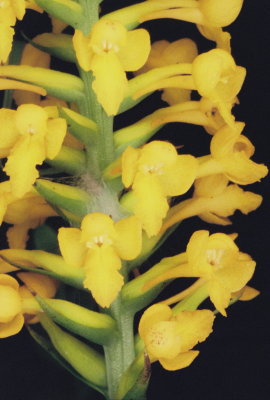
{"points": [[66, 10], [44, 263], [45, 238], [134, 381], [80, 126], [62, 85], [69, 160], [57, 44], [94, 326], [87, 362], [48, 347], [69, 198]]}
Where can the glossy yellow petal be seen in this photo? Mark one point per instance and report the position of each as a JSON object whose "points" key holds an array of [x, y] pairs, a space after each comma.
{"points": [[196, 250], [19, 8], [210, 186], [13, 327], [6, 267], [222, 241], [21, 164], [151, 204], [128, 241], [83, 51], [31, 119], [6, 34], [57, 129], [8, 131], [241, 170], [248, 293], [152, 315], [156, 156], [110, 84], [219, 295], [163, 340], [183, 360], [72, 250], [219, 14], [7, 280], [102, 276], [17, 235], [43, 285], [129, 160], [235, 273], [194, 327], [134, 55], [10, 303], [97, 226], [178, 177]]}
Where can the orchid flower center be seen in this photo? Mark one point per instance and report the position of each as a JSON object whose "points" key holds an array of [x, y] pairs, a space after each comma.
{"points": [[214, 257], [99, 241]]}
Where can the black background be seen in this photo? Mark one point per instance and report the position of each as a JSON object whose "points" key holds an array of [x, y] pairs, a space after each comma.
{"points": [[233, 363]]}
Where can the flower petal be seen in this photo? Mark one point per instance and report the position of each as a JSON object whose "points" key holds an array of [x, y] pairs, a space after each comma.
{"points": [[102, 276], [156, 313], [134, 55], [183, 360], [129, 160], [83, 51], [13, 327], [179, 176], [128, 242], [57, 129], [72, 250], [151, 205], [219, 295], [21, 164], [110, 82], [194, 327]]}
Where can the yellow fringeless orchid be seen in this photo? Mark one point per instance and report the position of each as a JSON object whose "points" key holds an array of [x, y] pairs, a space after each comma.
{"points": [[17, 301], [10, 10], [217, 260], [155, 172], [214, 200], [170, 338], [214, 13], [108, 51], [29, 136], [25, 213], [165, 53], [230, 155], [98, 247], [219, 79]]}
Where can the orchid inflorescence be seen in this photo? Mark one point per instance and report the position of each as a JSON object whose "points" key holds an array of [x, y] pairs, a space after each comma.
{"points": [[116, 193]]}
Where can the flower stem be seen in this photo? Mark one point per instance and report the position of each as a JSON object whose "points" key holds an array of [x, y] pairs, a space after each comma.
{"points": [[120, 353]]}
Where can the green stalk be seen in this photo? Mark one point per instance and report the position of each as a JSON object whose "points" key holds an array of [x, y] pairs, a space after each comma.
{"points": [[120, 353]]}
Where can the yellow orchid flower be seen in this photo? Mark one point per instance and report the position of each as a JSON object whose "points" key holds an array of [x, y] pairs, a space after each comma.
{"points": [[11, 316], [25, 213], [213, 201], [98, 247], [230, 155], [31, 136], [11, 10], [6, 35], [154, 173], [219, 79], [165, 53], [18, 301], [169, 338], [217, 260], [108, 51], [204, 12]]}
